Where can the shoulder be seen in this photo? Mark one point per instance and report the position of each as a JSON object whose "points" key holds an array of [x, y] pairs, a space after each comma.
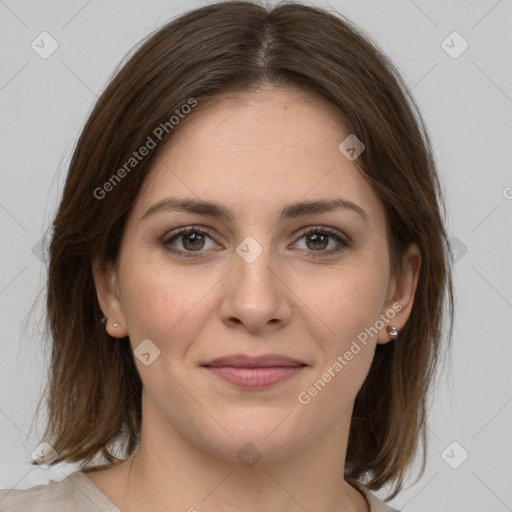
{"points": [[75, 492], [374, 502]]}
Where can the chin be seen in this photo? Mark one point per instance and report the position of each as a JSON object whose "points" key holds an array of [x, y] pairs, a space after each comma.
{"points": [[254, 438]]}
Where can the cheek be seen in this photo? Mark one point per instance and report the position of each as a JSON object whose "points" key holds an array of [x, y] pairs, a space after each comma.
{"points": [[347, 301], [166, 305], [350, 306]]}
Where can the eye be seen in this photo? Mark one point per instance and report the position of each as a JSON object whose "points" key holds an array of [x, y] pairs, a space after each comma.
{"points": [[189, 240], [318, 239]]}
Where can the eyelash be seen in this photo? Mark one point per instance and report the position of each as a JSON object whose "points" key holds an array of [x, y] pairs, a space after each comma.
{"points": [[174, 235]]}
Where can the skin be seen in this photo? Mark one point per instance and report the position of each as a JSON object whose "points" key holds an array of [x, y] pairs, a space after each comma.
{"points": [[254, 153]]}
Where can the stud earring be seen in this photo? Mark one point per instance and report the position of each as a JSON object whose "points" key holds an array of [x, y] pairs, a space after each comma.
{"points": [[392, 331], [104, 320]]}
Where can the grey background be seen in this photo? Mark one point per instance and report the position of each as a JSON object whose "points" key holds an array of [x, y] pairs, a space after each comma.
{"points": [[467, 104]]}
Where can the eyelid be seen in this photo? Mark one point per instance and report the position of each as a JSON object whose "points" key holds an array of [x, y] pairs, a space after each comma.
{"points": [[324, 229], [185, 229]]}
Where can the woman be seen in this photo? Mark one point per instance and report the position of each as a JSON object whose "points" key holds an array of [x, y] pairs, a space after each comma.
{"points": [[249, 277]]}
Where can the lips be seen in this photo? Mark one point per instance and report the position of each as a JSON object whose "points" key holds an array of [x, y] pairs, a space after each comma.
{"points": [[245, 361], [253, 372]]}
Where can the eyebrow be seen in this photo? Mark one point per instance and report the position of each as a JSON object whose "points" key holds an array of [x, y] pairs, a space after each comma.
{"points": [[217, 210]]}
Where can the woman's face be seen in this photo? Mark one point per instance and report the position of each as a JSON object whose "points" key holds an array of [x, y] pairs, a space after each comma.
{"points": [[274, 274]]}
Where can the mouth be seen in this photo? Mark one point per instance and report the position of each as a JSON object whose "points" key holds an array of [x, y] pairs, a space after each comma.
{"points": [[254, 372]]}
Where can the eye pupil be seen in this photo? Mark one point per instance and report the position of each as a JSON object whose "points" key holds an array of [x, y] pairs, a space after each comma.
{"points": [[193, 238], [323, 239]]}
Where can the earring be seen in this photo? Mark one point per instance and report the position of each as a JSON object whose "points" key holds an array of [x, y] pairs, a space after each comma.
{"points": [[392, 331], [104, 320]]}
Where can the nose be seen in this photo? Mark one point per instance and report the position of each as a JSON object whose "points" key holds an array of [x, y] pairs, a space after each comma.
{"points": [[255, 297]]}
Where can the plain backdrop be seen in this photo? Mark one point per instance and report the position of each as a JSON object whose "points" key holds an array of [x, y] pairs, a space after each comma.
{"points": [[465, 96]]}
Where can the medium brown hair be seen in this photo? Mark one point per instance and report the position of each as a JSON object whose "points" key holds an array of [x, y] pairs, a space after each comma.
{"points": [[94, 389]]}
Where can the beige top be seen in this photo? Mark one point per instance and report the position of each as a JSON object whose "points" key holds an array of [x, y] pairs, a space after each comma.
{"points": [[77, 493]]}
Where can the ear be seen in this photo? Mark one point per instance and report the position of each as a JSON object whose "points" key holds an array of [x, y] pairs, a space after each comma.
{"points": [[400, 294], [107, 290]]}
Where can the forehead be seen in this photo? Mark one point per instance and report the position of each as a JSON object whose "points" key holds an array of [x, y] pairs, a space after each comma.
{"points": [[261, 148]]}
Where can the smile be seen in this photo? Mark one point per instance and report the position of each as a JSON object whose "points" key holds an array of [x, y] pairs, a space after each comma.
{"points": [[253, 371]]}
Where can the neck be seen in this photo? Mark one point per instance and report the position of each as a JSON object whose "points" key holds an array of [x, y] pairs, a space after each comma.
{"points": [[168, 472]]}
